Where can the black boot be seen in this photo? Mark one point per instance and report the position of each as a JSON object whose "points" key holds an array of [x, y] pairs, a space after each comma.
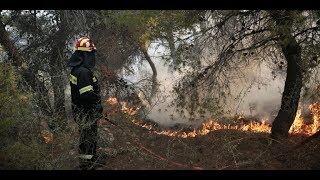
{"points": [[86, 164]]}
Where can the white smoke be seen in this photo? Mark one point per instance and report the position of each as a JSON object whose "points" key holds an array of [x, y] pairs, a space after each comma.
{"points": [[160, 111], [258, 95]]}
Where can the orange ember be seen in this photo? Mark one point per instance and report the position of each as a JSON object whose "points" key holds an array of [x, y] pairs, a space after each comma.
{"points": [[112, 100], [47, 136]]}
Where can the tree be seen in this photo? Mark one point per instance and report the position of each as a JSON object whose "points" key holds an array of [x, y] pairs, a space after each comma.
{"points": [[129, 34], [234, 37], [37, 42], [135, 29], [291, 94], [17, 60]]}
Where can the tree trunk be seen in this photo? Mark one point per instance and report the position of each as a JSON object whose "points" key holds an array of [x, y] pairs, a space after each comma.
{"points": [[58, 91], [58, 121], [293, 84], [153, 67], [57, 71], [154, 70], [170, 39], [58, 81]]}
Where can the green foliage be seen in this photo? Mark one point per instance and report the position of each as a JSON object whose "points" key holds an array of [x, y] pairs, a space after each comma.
{"points": [[16, 116], [138, 24], [145, 26], [7, 79], [13, 104]]}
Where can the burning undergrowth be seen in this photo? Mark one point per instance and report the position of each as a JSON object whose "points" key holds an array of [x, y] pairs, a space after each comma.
{"points": [[231, 143], [241, 123]]}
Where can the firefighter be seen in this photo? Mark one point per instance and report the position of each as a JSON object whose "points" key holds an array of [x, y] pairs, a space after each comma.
{"points": [[86, 100]]}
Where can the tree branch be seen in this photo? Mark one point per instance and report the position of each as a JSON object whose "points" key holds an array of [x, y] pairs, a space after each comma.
{"points": [[304, 31]]}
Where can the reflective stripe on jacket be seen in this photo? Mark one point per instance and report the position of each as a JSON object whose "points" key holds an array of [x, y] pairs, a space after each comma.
{"points": [[85, 90]]}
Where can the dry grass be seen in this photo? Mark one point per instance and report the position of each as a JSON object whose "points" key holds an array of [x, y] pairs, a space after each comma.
{"points": [[218, 150]]}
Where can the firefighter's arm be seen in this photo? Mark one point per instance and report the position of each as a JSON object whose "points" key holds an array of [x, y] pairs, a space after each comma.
{"points": [[85, 84]]}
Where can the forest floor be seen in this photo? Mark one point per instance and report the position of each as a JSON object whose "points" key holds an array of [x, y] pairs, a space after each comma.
{"points": [[130, 147], [124, 145]]}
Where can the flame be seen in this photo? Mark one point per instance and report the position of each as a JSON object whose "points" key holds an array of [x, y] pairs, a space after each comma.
{"points": [[124, 106], [298, 127], [112, 100], [47, 136], [315, 111], [130, 111], [207, 127], [298, 123]]}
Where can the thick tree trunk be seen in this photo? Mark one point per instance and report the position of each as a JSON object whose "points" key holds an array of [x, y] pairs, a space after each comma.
{"points": [[293, 84], [291, 93]]}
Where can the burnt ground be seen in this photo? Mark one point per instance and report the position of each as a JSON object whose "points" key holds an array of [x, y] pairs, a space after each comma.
{"points": [[131, 147]]}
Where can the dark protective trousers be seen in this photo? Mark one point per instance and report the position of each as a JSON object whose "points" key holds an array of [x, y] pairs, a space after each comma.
{"points": [[88, 138], [88, 132]]}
